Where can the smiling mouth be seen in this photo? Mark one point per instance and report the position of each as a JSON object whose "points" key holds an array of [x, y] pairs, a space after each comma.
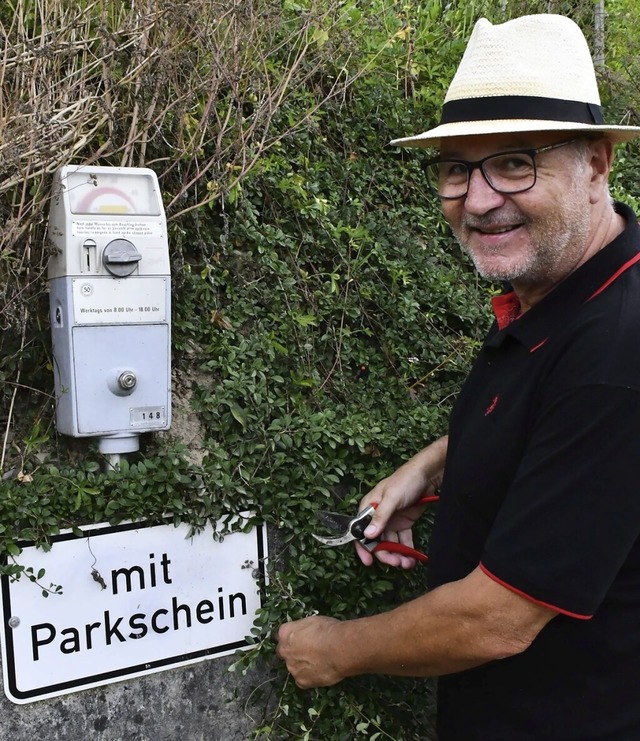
{"points": [[496, 230]]}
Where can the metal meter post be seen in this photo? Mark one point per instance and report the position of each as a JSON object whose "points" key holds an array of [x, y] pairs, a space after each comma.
{"points": [[110, 305]]}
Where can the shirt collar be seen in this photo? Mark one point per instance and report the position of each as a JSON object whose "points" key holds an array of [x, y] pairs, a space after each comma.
{"points": [[535, 325]]}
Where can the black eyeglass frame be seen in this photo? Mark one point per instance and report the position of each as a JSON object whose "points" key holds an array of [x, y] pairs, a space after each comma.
{"points": [[471, 166]]}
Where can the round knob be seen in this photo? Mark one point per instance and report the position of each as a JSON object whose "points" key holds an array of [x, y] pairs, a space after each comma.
{"points": [[121, 258], [127, 380]]}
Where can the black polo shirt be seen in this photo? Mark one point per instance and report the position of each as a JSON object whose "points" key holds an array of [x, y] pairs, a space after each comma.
{"points": [[542, 489]]}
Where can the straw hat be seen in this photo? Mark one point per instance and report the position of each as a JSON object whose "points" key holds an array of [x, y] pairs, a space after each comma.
{"points": [[533, 73]]}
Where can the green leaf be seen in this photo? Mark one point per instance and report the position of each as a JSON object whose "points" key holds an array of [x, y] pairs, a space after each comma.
{"points": [[305, 320], [238, 413]]}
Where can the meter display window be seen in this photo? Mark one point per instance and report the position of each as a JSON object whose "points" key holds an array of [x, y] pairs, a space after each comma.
{"points": [[115, 194]]}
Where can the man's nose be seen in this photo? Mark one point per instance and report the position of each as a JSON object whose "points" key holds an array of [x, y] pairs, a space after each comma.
{"points": [[481, 197]]}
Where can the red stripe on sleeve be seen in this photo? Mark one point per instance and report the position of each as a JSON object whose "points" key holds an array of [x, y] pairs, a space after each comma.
{"points": [[532, 599]]}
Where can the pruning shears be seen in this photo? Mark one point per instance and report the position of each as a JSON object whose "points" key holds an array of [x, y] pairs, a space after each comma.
{"points": [[349, 529]]}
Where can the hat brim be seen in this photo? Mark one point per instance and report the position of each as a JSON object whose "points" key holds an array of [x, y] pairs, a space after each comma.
{"points": [[433, 137]]}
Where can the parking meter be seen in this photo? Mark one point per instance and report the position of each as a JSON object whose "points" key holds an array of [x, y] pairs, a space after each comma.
{"points": [[110, 305]]}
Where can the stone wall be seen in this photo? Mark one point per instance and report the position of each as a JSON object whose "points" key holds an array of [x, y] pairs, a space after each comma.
{"points": [[194, 703]]}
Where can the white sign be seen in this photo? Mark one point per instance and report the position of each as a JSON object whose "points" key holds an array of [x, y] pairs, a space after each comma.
{"points": [[135, 600], [100, 301]]}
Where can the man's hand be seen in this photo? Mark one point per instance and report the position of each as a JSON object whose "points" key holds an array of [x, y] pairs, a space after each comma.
{"points": [[307, 649], [396, 498], [455, 627]]}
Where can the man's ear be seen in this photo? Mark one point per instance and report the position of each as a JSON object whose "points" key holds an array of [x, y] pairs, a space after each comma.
{"points": [[600, 162]]}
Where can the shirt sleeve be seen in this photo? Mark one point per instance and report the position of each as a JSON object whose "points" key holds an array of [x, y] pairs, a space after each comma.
{"points": [[565, 531]]}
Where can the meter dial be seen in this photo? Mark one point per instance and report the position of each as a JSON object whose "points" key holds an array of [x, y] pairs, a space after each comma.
{"points": [[117, 193]]}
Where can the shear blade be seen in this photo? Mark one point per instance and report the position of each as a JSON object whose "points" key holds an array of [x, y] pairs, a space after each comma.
{"points": [[332, 542], [338, 525], [334, 522]]}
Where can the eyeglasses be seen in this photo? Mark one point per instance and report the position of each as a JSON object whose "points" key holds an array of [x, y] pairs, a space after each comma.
{"points": [[508, 172]]}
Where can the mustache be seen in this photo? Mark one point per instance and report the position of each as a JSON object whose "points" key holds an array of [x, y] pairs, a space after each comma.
{"points": [[491, 222]]}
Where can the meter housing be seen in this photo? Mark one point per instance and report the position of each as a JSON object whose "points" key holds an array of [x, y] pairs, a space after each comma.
{"points": [[110, 294]]}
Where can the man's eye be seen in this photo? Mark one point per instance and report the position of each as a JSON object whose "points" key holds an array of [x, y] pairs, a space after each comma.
{"points": [[512, 164], [453, 170]]}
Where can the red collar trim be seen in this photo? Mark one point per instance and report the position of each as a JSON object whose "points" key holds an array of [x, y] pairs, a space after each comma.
{"points": [[616, 275], [506, 308]]}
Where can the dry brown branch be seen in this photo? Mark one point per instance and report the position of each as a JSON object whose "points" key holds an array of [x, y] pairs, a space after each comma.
{"points": [[158, 82]]}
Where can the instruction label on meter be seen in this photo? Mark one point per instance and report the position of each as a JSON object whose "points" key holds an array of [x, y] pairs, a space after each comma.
{"points": [[100, 301], [129, 228]]}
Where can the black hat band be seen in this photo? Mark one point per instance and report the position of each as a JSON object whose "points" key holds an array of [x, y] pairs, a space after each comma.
{"points": [[492, 108]]}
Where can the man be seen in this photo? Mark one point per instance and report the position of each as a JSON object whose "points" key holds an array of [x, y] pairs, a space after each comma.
{"points": [[532, 619]]}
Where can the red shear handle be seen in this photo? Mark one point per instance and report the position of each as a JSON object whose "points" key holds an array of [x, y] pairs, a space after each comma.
{"points": [[424, 500], [404, 550], [428, 500]]}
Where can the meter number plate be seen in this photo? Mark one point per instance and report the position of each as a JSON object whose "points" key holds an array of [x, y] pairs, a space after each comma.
{"points": [[148, 417]]}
